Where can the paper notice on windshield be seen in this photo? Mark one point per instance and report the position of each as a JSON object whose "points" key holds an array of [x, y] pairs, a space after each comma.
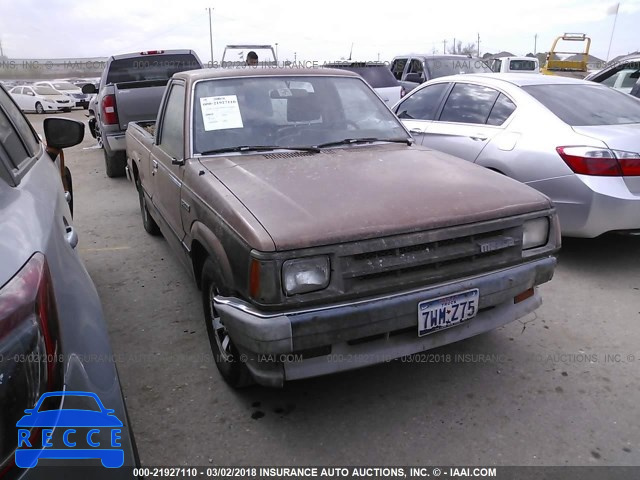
{"points": [[220, 113]]}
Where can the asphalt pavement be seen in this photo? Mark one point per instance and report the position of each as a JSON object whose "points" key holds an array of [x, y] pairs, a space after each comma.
{"points": [[559, 387]]}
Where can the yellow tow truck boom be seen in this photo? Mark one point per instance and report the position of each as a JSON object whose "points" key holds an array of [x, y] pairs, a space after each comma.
{"points": [[555, 66]]}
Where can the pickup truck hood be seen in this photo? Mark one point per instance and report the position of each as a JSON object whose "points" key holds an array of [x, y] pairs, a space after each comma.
{"points": [[361, 192]]}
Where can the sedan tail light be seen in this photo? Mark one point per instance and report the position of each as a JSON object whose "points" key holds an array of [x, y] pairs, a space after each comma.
{"points": [[29, 347], [601, 161], [109, 112]]}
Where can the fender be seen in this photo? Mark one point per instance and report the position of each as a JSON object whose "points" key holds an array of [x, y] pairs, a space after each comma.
{"points": [[201, 233]]}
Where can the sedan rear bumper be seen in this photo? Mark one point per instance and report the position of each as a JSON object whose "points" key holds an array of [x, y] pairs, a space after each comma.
{"points": [[295, 345], [589, 206]]}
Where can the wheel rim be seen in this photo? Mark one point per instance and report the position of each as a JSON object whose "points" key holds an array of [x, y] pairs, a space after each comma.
{"points": [[39, 108], [220, 331]]}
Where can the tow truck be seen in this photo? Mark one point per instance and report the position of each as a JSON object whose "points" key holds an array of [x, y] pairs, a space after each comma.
{"points": [[568, 68]]}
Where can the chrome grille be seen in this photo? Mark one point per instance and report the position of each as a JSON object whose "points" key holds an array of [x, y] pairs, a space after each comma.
{"points": [[428, 257]]}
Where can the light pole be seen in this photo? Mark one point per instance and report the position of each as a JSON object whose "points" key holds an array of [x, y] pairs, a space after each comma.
{"points": [[277, 53], [210, 36]]}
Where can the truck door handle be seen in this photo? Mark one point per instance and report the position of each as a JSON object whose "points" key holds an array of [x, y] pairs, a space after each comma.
{"points": [[416, 130], [71, 236], [478, 138]]}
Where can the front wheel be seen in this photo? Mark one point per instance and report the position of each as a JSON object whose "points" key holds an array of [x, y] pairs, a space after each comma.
{"points": [[225, 354], [39, 108]]}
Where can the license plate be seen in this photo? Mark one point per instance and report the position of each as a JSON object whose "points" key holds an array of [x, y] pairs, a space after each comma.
{"points": [[445, 312]]}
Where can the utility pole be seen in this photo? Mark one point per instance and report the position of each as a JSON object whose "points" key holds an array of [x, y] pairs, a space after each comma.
{"points": [[277, 53], [210, 35], [535, 44], [478, 45], [444, 47], [455, 47], [1, 50]]}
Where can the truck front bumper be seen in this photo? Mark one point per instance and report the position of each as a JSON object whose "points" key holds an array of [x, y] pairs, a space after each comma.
{"points": [[323, 340]]}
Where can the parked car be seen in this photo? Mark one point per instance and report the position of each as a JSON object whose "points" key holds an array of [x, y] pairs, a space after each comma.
{"points": [[624, 75], [515, 65], [413, 69], [130, 89], [378, 76], [575, 141], [40, 99], [321, 237], [51, 321], [74, 93]]}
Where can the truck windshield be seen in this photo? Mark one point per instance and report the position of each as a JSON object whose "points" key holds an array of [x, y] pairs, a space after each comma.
{"points": [[453, 66], [522, 65], [288, 111], [147, 68]]}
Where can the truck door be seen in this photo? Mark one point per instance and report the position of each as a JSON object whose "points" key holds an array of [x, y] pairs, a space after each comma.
{"points": [[167, 156]]}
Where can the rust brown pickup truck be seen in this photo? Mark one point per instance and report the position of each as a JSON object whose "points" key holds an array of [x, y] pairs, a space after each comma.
{"points": [[321, 237]]}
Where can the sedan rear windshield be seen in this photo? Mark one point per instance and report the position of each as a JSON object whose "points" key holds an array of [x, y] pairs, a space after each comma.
{"points": [[584, 105], [148, 68], [453, 66], [378, 76]]}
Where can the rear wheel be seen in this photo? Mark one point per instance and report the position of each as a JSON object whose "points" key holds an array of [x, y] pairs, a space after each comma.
{"points": [[226, 355], [148, 222], [115, 164], [39, 108]]}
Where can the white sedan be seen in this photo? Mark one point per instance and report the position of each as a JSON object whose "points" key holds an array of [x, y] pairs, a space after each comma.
{"points": [[41, 99]]}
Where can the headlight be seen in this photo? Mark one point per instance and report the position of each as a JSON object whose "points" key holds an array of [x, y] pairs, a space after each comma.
{"points": [[535, 233], [305, 275]]}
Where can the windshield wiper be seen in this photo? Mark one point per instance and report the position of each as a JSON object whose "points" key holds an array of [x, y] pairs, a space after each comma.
{"points": [[354, 141], [258, 148]]}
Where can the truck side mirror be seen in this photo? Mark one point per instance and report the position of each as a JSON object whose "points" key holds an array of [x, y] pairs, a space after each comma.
{"points": [[89, 88], [63, 132]]}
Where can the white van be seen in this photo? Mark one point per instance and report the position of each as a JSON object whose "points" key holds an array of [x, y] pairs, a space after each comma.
{"points": [[515, 65]]}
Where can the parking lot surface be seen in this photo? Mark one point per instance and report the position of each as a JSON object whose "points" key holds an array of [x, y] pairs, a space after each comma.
{"points": [[560, 387]]}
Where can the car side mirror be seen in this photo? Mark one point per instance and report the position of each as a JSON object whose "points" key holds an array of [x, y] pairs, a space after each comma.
{"points": [[63, 132], [414, 78], [89, 88]]}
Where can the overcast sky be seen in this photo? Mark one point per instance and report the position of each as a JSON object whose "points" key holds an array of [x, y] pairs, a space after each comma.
{"points": [[318, 30]]}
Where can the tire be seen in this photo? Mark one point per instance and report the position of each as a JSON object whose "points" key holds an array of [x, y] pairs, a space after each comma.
{"points": [[115, 164], [39, 108], [148, 222], [225, 354], [69, 180]]}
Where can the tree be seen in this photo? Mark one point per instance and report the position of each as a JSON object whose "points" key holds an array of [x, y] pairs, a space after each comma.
{"points": [[458, 49], [487, 55]]}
